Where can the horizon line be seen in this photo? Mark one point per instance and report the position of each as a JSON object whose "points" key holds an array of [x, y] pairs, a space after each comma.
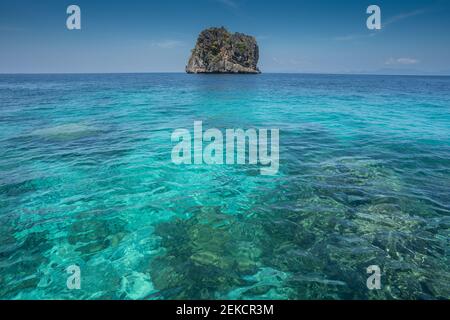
{"points": [[179, 72]]}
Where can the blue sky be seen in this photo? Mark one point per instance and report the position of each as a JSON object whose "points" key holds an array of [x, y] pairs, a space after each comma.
{"points": [[324, 36]]}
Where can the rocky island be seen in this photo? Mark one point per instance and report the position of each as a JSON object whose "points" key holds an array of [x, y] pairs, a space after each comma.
{"points": [[219, 51]]}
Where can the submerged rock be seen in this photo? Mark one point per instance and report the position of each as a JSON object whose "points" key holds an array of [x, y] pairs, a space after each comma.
{"points": [[66, 132], [218, 51], [205, 256], [91, 235], [21, 262]]}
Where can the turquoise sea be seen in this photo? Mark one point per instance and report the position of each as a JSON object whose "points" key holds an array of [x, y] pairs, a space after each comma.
{"points": [[86, 179]]}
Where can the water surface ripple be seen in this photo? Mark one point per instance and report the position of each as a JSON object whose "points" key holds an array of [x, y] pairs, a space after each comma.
{"points": [[86, 178]]}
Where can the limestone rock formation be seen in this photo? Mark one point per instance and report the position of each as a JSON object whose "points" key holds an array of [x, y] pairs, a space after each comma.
{"points": [[219, 51]]}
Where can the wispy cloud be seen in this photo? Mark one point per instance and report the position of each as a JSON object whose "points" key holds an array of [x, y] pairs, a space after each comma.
{"points": [[401, 61], [262, 37], [7, 28], [384, 24], [233, 7], [354, 36], [229, 3], [168, 44], [291, 61], [403, 16]]}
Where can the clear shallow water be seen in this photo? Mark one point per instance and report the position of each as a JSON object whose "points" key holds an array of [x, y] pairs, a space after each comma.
{"points": [[86, 178]]}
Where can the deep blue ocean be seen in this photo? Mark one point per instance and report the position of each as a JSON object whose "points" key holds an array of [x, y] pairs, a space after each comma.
{"points": [[86, 179]]}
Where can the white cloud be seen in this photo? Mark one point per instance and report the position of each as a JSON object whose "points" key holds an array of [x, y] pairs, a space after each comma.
{"points": [[401, 61], [168, 44]]}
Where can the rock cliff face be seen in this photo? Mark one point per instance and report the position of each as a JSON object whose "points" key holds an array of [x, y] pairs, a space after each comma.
{"points": [[218, 51]]}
